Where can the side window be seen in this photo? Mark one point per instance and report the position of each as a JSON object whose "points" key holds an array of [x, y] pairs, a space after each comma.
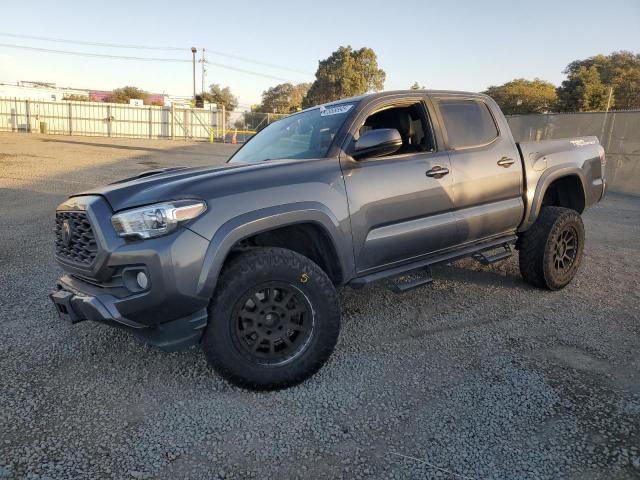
{"points": [[468, 122], [410, 122]]}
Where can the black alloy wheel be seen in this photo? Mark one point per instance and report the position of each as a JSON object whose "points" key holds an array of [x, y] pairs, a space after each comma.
{"points": [[273, 323]]}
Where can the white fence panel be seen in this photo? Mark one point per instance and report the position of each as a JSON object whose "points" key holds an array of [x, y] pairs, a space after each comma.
{"points": [[89, 119], [107, 119]]}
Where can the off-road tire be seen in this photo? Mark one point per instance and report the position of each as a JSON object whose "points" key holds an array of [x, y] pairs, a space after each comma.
{"points": [[538, 248], [223, 345]]}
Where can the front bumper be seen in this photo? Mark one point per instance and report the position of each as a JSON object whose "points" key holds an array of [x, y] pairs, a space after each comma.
{"points": [[103, 290], [73, 306]]}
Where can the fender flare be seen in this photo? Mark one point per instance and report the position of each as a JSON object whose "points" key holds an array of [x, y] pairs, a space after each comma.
{"points": [[547, 178], [262, 220]]}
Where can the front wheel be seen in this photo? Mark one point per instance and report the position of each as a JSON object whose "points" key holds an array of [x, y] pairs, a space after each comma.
{"points": [[551, 250], [273, 321]]}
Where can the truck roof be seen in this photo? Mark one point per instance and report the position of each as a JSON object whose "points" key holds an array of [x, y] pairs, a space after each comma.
{"points": [[392, 93]]}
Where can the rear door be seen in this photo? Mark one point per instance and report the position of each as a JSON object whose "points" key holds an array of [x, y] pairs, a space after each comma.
{"points": [[486, 169], [399, 208]]}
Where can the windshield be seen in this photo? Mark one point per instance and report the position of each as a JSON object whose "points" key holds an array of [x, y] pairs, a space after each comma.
{"points": [[303, 135]]}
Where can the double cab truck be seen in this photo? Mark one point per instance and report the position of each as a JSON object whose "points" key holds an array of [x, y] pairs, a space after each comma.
{"points": [[244, 259]]}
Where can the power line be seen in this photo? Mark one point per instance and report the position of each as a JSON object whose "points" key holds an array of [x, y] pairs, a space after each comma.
{"points": [[95, 44], [257, 62], [98, 55], [149, 47], [250, 72], [144, 59]]}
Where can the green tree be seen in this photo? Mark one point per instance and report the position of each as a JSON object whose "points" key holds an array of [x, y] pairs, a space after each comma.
{"points": [[284, 98], [220, 96], [583, 91], [124, 94], [522, 96], [345, 73], [619, 71], [626, 89]]}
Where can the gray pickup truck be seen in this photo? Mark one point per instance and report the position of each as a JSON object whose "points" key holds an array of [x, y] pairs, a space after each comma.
{"points": [[244, 259]]}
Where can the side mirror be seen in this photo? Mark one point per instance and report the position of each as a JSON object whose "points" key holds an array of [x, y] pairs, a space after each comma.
{"points": [[376, 143]]}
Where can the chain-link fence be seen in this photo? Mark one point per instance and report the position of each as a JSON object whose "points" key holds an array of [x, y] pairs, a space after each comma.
{"points": [[245, 124], [618, 132]]}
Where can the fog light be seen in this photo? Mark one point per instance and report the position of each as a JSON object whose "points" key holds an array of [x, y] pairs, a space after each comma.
{"points": [[143, 280]]}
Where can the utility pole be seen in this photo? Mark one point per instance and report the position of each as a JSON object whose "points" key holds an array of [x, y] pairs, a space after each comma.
{"points": [[609, 100], [193, 51], [203, 70], [606, 112]]}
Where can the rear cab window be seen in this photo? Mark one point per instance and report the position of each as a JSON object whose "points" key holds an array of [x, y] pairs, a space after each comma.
{"points": [[468, 123]]}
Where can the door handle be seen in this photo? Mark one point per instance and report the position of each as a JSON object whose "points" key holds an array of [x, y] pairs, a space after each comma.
{"points": [[437, 171], [506, 162]]}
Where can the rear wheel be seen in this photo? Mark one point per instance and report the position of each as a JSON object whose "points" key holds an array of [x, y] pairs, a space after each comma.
{"points": [[274, 320], [551, 250]]}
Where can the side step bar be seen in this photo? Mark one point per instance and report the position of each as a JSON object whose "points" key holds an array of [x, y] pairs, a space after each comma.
{"points": [[412, 269], [410, 280], [486, 259]]}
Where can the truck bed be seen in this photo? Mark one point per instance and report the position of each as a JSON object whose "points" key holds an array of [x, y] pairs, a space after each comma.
{"points": [[543, 161]]}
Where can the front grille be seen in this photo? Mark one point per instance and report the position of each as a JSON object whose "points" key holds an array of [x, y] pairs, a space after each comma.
{"points": [[78, 243]]}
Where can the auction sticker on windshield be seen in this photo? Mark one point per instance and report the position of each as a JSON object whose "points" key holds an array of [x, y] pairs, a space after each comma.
{"points": [[338, 109]]}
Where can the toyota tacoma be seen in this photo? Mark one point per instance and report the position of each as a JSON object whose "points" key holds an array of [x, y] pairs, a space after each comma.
{"points": [[244, 259]]}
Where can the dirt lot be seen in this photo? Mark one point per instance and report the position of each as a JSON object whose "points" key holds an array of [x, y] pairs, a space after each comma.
{"points": [[479, 376]]}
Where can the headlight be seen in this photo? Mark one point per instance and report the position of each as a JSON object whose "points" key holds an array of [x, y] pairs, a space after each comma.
{"points": [[155, 220]]}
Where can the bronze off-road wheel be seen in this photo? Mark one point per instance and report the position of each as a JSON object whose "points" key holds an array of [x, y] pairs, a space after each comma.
{"points": [[551, 250]]}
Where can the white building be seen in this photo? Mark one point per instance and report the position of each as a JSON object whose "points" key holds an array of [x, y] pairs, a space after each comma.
{"points": [[37, 91]]}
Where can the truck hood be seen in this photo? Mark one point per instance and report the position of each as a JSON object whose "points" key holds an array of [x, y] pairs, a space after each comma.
{"points": [[165, 184]]}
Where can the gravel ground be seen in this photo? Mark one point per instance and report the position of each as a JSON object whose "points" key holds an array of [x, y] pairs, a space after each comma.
{"points": [[479, 376]]}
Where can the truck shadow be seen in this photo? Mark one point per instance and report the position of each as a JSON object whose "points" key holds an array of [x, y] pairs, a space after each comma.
{"points": [[503, 274], [178, 147]]}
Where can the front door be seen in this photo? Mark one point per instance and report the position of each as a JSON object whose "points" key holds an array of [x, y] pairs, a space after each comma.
{"points": [[400, 206]]}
